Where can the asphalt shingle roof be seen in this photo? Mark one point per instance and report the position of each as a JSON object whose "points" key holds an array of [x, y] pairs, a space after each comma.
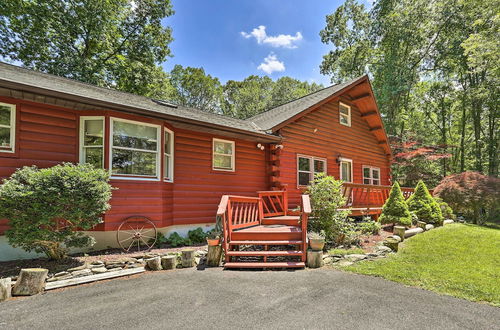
{"points": [[271, 118]]}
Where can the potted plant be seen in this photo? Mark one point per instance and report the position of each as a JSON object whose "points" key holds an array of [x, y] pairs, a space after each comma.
{"points": [[316, 240], [213, 238]]}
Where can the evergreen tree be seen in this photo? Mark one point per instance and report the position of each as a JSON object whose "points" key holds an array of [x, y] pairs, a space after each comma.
{"points": [[395, 210], [424, 205]]}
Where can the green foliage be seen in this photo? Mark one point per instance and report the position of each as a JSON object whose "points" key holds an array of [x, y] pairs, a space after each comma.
{"points": [[446, 210], [369, 227], [46, 207], [343, 252], [395, 209], [326, 199], [424, 205], [176, 240], [160, 240], [197, 236], [107, 43]]}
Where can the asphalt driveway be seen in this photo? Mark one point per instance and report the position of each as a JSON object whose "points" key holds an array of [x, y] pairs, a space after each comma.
{"points": [[210, 299]]}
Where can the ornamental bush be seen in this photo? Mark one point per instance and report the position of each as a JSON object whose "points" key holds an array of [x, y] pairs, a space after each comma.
{"points": [[326, 199], [424, 205], [48, 208], [446, 210], [369, 227], [395, 209]]}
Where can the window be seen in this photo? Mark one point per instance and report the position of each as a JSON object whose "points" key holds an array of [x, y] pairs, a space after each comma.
{"points": [[92, 141], [307, 166], [346, 170], [168, 170], [223, 155], [371, 175], [7, 127], [345, 114], [134, 148]]}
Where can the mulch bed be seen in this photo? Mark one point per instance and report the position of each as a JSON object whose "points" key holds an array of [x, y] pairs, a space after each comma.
{"points": [[368, 242]]}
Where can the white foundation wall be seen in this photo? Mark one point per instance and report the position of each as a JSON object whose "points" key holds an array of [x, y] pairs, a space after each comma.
{"points": [[104, 240]]}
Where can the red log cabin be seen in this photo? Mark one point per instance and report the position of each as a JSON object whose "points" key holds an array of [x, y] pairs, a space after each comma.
{"points": [[174, 164]]}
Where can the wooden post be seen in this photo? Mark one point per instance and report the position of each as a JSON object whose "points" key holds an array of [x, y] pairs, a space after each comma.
{"points": [[399, 231], [187, 258], [421, 224], [214, 255], [31, 281], [5, 288], [314, 259], [169, 262], [153, 263]]}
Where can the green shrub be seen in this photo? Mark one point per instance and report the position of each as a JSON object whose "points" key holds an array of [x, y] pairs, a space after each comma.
{"points": [[446, 210], [424, 205], [160, 240], [395, 209], [197, 236], [343, 252], [326, 199], [369, 227], [176, 240], [48, 208]]}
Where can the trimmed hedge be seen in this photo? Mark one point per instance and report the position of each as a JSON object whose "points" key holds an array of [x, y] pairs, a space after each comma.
{"points": [[395, 210], [425, 206]]}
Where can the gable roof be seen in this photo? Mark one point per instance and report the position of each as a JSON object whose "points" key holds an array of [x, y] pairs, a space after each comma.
{"points": [[269, 119], [28, 80]]}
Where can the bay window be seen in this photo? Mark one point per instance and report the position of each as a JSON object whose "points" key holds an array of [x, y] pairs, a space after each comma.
{"points": [[92, 141], [7, 127], [371, 175], [307, 166], [223, 155], [135, 148]]}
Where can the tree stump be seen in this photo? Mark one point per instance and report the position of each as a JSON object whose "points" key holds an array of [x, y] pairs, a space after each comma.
{"points": [[169, 262], [5, 288], [214, 255], [399, 231], [153, 263], [314, 259], [392, 243], [413, 232], [421, 224], [187, 258], [31, 281]]}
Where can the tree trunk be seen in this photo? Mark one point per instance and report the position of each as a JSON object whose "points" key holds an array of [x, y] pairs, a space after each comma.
{"points": [[214, 255], [314, 259], [169, 262], [5, 288], [187, 258], [153, 263], [31, 281]]}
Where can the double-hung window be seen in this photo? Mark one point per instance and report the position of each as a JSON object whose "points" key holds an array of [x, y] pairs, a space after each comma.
{"points": [[223, 155], [7, 127], [344, 114], [135, 149], [371, 175], [307, 166], [92, 141], [168, 170], [346, 170]]}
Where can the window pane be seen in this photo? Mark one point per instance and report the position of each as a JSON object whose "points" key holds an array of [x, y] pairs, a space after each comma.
{"points": [[134, 136], [304, 179], [5, 115], [376, 182], [366, 181], [4, 137], [319, 166], [344, 110], [366, 172], [225, 148], [134, 162], [344, 119], [222, 161], [93, 156], [304, 164], [346, 171], [167, 143], [375, 174], [93, 132], [168, 166]]}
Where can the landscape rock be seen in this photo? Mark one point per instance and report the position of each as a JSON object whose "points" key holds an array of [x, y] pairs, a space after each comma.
{"points": [[383, 249], [399, 231], [61, 274], [5, 288], [344, 263], [153, 263], [396, 237], [413, 232], [328, 260], [97, 262], [355, 257], [448, 222], [74, 269], [99, 270], [421, 224], [83, 272], [429, 227]]}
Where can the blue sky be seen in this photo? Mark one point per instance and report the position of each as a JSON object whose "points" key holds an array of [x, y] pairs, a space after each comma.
{"points": [[208, 34]]}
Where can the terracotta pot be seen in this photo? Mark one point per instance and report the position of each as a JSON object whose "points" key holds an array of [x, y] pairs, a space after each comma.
{"points": [[317, 244], [213, 241]]}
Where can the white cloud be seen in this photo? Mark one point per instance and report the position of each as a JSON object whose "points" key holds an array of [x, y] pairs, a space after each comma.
{"points": [[282, 40], [271, 64]]}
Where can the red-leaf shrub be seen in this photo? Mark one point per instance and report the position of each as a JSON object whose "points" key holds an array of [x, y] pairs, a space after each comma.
{"points": [[471, 193]]}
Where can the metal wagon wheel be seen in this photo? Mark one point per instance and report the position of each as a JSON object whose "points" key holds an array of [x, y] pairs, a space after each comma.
{"points": [[136, 233]]}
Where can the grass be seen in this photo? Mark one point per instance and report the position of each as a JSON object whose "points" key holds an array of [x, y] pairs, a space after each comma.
{"points": [[458, 260], [343, 252]]}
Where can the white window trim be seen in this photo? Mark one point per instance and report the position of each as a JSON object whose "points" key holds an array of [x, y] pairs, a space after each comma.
{"points": [[346, 160], [170, 176], [311, 166], [348, 116], [82, 138], [233, 155], [12, 128], [159, 163], [371, 174]]}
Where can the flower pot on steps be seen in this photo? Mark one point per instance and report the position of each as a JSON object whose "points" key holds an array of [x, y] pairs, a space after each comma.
{"points": [[316, 244]]}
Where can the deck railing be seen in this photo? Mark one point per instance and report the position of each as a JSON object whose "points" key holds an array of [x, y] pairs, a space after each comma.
{"points": [[274, 203], [369, 196]]}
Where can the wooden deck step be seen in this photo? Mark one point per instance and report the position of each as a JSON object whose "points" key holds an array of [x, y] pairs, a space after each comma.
{"points": [[285, 242], [264, 253], [292, 220], [286, 264]]}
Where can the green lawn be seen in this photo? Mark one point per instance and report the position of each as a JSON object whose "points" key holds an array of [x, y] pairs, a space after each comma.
{"points": [[459, 260]]}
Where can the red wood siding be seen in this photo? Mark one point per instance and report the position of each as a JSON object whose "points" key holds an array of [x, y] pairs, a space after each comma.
{"points": [[320, 134]]}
